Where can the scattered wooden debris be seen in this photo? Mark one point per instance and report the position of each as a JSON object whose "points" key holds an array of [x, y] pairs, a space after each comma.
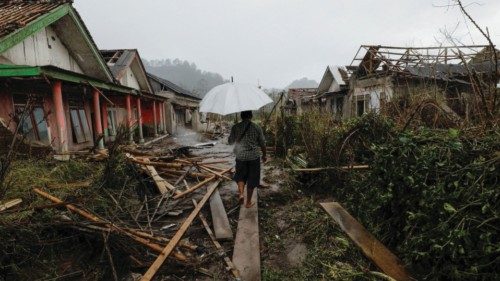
{"points": [[135, 235], [370, 246], [178, 235]]}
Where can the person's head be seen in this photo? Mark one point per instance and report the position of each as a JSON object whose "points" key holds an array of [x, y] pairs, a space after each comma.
{"points": [[246, 115]]}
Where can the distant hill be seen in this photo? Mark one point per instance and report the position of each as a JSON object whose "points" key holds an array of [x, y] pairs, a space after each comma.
{"points": [[303, 83], [185, 74]]}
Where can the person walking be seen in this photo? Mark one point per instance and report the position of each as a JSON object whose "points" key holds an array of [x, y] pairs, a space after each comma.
{"points": [[249, 149]]}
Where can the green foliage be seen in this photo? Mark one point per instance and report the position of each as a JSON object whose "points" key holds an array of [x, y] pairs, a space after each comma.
{"points": [[430, 195]]}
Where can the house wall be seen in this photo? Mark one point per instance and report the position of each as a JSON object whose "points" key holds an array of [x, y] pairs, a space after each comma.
{"points": [[128, 79], [41, 48], [372, 88]]}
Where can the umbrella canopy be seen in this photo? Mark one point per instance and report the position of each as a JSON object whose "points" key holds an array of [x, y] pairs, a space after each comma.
{"points": [[234, 97]]}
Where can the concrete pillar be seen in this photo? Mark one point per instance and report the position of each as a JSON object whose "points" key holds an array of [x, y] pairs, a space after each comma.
{"points": [[128, 104], [154, 119], [97, 118], [139, 120], [60, 116], [161, 107], [105, 125]]}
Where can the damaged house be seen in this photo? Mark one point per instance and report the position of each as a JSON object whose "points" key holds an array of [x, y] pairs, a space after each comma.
{"points": [[300, 100], [55, 87], [333, 89], [128, 69], [380, 73], [182, 107]]}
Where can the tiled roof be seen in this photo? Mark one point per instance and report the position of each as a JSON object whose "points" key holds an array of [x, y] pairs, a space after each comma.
{"points": [[16, 14]]}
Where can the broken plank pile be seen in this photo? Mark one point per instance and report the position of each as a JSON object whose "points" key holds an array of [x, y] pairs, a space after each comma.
{"points": [[156, 223], [180, 178]]}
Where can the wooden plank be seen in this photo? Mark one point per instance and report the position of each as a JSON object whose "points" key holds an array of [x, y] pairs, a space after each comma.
{"points": [[246, 254], [222, 228], [370, 245], [162, 185], [194, 188], [218, 246], [10, 204], [216, 173], [198, 185], [178, 235]]}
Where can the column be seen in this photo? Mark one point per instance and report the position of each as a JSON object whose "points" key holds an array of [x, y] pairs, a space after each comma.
{"points": [[60, 116], [139, 120], [154, 119], [162, 118], [97, 119], [105, 125], [128, 104]]}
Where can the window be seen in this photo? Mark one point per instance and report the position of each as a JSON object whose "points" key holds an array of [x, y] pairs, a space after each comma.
{"points": [[80, 125], [34, 124], [362, 104]]}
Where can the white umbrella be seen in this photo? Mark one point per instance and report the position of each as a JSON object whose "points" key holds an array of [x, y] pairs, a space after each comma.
{"points": [[234, 97]]}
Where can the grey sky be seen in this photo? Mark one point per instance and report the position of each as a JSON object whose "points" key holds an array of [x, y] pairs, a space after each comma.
{"points": [[275, 41]]}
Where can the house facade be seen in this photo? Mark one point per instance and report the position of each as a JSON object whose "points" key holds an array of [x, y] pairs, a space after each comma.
{"points": [[333, 89], [55, 87], [181, 108]]}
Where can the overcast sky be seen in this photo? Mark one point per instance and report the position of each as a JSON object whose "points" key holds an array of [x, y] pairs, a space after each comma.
{"points": [[276, 41]]}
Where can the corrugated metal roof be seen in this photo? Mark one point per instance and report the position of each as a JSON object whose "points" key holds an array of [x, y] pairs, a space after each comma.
{"points": [[16, 14], [173, 86]]}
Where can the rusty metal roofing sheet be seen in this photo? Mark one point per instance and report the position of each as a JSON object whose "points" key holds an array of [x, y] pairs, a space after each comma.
{"points": [[16, 14]]}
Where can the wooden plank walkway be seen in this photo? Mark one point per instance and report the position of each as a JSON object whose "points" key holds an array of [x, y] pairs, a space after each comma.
{"points": [[246, 254], [222, 228]]}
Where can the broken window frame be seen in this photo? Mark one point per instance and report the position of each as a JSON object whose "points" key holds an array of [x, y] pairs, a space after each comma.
{"points": [[36, 125]]}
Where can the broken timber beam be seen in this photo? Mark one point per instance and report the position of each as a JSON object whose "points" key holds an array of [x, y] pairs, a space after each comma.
{"points": [[178, 235], [162, 185], [313, 170], [218, 246], [93, 218], [370, 245]]}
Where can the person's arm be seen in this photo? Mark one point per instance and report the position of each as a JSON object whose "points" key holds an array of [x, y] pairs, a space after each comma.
{"points": [[231, 139], [262, 143]]}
